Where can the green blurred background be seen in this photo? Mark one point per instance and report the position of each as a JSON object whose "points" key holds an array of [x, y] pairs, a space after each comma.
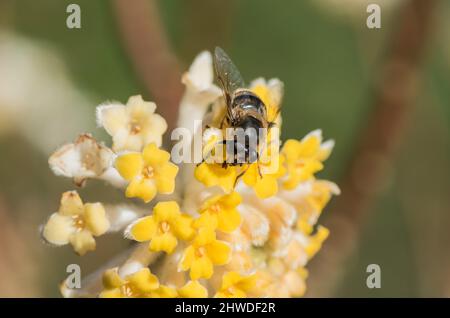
{"points": [[323, 52]]}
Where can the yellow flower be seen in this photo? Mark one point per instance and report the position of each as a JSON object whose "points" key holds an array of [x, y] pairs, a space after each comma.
{"points": [[163, 228], [193, 289], [234, 285], [139, 284], [133, 125], [304, 158], [213, 174], [76, 223], [316, 241], [221, 209], [204, 252], [265, 184], [148, 172]]}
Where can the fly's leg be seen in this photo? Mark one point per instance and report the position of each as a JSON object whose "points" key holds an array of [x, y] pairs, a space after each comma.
{"points": [[224, 164], [240, 175], [257, 165]]}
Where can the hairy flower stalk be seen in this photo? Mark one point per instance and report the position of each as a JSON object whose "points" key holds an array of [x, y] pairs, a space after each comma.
{"points": [[205, 228]]}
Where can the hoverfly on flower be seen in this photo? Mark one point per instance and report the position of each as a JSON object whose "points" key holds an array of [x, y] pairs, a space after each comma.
{"points": [[245, 121]]}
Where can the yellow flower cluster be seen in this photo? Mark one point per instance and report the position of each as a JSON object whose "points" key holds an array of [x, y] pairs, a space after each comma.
{"points": [[232, 231], [167, 226], [298, 161], [270, 244]]}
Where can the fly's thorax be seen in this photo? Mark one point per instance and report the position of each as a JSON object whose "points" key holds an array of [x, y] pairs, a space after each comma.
{"points": [[246, 103]]}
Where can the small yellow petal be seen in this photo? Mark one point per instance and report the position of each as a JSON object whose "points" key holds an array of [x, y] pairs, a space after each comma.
{"points": [[219, 252], [141, 188], [310, 146], [166, 211], [58, 229], [220, 294], [143, 280], [251, 175], [143, 229], [231, 200], [187, 258], [165, 177], [164, 292], [206, 220], [209, 202], [316, 241], [247, 283], [82, 242], [95, 218], [266, 187], [201, 267], [215, 175], [129, 165], [71, 204], [291, 149], [113, 118], [112, 279], [206, 226], [154, 156], [155, 128], [137, 107], [229, 279], [182, 227], [236, 285], [193, 289], [165, 242], [229, 220]]}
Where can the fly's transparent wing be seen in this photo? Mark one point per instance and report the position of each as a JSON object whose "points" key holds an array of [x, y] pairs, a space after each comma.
{"points": [[227, 73]]}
